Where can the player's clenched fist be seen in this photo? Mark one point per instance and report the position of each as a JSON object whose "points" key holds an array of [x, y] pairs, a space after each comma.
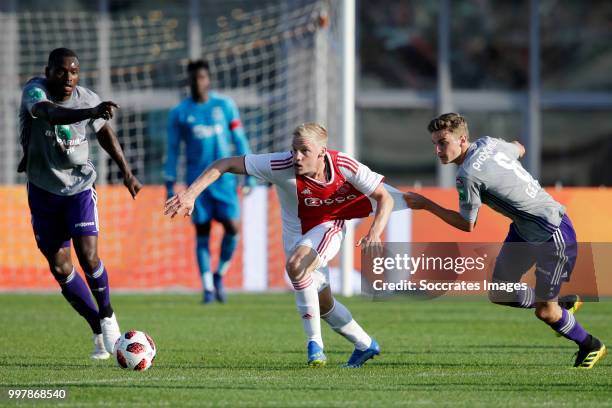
{"points": [[132, 184], [182, 202], [104, 110], [415, 201]]}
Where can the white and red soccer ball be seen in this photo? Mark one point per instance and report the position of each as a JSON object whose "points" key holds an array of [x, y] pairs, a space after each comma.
{"points": [[135, 350]]}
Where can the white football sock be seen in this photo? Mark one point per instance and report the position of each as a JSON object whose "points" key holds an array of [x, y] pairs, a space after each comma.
{"points": [[207, 281], [307, 301], [341, 320]]}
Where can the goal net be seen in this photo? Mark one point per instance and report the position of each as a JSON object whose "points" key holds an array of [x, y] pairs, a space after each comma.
{"points": [[279, 61]]}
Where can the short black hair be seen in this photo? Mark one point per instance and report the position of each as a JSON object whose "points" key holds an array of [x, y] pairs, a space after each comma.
{"points": [[195, 65], [57, 55]]}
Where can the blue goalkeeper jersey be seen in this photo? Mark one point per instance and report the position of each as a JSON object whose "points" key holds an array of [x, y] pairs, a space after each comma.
{"points": [[210, 131]]}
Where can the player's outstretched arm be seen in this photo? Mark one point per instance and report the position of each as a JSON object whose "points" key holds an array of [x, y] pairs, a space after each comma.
{"points": [[108, 140], [384, 206], [58, 115], [183, 202], [454, 218]]}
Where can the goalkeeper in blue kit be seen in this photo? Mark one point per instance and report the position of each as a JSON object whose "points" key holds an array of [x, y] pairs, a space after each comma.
{"points": [[209, 125]]}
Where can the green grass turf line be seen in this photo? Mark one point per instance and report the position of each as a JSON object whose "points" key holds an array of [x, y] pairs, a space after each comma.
{"points": [[251, 352]]}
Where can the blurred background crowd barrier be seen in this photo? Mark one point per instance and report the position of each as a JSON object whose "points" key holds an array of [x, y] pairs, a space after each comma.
{"points": [[537, 71]]}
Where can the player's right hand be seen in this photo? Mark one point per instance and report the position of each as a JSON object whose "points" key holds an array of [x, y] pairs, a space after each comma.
{"points": [[371, 244], [104, 110], [180, 203]]}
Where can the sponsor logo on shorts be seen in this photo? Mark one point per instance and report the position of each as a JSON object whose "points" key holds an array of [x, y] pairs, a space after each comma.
{"points": [[84, 224]]}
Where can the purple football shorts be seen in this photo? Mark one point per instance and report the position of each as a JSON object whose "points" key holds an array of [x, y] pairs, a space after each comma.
{"points": [[57, 219], [554, 259]]}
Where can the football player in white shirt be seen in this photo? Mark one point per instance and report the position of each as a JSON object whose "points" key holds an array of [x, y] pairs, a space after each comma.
{"points": [[318, 190]]}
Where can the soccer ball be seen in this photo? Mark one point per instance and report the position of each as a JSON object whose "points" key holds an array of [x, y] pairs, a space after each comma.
{"points": [[135, 350]]}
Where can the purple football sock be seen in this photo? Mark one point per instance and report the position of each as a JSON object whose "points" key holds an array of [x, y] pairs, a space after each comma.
{"points": [[568, 327], [76, 293], [98, 283], [525, 298], [522, 299]]}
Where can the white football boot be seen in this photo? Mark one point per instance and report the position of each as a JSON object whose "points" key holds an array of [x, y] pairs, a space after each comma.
{"points": [[99, 352], [110, 332]]}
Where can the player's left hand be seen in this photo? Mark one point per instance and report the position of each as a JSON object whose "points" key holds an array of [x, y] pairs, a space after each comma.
{"points": [[371, 244], [133, 184], [182, 202], [415, 201]]}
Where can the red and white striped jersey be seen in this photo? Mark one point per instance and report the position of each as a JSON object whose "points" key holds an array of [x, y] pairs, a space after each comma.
{"points": [[306, 202]]}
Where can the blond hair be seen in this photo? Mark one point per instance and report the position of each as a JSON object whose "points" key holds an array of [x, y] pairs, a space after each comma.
{"points": [[312, 131], [452, 122]]}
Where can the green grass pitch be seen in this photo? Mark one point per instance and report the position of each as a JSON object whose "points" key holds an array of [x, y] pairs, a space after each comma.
{"points": [[251, 352]]}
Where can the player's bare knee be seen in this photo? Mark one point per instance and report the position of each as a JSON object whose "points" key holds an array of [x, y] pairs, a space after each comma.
{"points": [[295, 269], [325, 308], [60, 263], [89, 260], [86, 248], [547, 313], [91, 263], [326, 301], [61, 270], [542, 314]]}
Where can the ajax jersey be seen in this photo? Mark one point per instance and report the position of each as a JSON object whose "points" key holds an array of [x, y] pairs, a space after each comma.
{"points": [[306, 202]]}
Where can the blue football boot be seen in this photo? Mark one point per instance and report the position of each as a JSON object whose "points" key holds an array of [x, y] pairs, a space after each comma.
{"points": [[208, 297], [358, 358], [219, 289], [316, 357]]}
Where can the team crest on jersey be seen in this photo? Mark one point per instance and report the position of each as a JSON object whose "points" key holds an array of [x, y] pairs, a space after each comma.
{"points": [[63, 132], [460, 189], [306, 191], [36, 94], [217, 114], [344, 189], [191, 119], [64, 140]]}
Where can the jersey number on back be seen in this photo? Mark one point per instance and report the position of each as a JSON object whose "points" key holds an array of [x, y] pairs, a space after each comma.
{"points": [[507, 163]]}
